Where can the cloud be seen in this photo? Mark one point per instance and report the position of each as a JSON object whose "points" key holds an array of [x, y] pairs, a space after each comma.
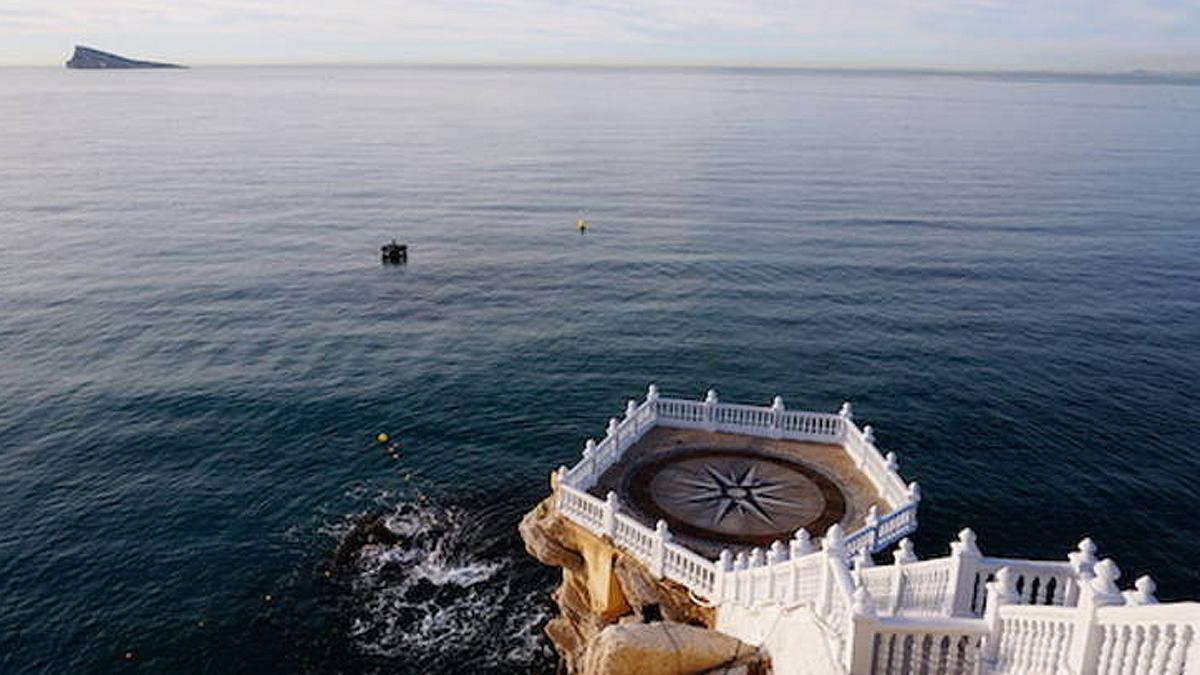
{"points": [[971, 33]]}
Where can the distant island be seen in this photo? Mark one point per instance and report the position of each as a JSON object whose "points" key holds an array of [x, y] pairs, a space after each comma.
{"points": [[94, 59]]}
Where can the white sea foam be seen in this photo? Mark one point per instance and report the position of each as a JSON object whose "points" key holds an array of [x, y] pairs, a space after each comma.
{"points": [[437, 598]]}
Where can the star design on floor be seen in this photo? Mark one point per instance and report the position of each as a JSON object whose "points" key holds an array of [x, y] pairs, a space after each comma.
{"points": [[735, 490]]}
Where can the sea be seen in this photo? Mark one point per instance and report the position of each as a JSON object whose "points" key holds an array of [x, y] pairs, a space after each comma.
{"points": [[199, 344]]}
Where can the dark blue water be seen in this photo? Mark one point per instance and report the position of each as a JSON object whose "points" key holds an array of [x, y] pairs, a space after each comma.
{"points": [[197, 342]]}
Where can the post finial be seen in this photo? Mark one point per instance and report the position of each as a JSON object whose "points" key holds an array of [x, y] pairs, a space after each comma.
{"points": [[846, 411], [914, 492], [778, 552], [892, 462], [904, 553], [864, 604], [589, 447], [1107, 574], [630, 408], [652, 392], [869, 434], [756, 557], [711, 397], [1083, 558], [965, 546], [660, 528], [863, 560], [777, 404], [739, 561], [1005, 584], [612, 426], [834, 538], [801, 543], [725, 561], [1143, 593]]}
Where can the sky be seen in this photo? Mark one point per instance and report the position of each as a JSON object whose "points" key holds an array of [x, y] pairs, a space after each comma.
{"points": [[1062, 35]]}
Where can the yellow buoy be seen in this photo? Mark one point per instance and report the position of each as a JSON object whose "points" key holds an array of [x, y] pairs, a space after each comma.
{"points": [[382, 438], [582, 224]]}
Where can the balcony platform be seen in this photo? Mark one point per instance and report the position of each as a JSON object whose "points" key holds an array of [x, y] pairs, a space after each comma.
{"points": [[718, 490]]}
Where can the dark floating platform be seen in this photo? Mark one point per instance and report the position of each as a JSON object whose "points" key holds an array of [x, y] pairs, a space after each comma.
{"points": [[394, 254], [86, 58]]}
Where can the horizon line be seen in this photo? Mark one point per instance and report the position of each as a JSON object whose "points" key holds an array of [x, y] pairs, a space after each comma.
{"points": [[1141, 74]]}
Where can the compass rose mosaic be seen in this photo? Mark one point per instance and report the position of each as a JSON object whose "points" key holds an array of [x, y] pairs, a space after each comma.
{"points": [[735, 496]]}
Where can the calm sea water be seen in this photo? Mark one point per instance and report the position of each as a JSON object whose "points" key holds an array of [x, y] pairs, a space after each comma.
{"points": [[198, 343]]}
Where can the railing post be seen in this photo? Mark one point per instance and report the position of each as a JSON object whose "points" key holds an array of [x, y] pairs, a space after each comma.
{"points": [[756, 561], [775, 556], [614, 435], [903, 555], [1097, 589], [630, 412], [652, 399], [835, 553], [1083, 560], [589, 456], [860, 644], [964, 565], [659, 550], [1002, 591], [610, 514], [724, 561], [872, 521], [777, 417], [801, 545], [710, 410], [846, 413], [868, 433], [739, 586]]}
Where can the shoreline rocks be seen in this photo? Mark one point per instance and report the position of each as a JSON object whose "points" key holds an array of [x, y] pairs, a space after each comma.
{"points": [[616, 618]]}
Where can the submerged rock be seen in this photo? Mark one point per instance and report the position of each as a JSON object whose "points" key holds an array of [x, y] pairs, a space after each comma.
{"points": [[368, 530], [86, 58]]}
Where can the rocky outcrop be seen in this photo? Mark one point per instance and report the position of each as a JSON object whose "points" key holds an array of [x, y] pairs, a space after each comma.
{"points": [[666, 648], [87, 58], [616, 618]]}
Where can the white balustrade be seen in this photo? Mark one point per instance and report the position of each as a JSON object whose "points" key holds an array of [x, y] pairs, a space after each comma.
{"points": [[1033, 639], [896, 646], [963, 613]]}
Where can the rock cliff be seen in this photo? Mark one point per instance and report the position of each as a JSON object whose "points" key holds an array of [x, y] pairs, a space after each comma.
{"points": [[616, 618], [87, 58]]}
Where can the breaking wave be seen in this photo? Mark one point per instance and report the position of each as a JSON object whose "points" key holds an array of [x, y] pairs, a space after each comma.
{"points": [[453, 591]]}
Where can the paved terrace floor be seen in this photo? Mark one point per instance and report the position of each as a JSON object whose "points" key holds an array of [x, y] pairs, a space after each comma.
{"points": [[720, 490]]}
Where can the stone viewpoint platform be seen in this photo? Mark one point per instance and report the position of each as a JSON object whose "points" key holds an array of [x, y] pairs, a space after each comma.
{"points": [[760, 524]]}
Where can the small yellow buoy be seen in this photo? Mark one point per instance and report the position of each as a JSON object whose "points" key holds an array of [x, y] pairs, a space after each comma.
{"points": [[382, 438], [583, 225]]}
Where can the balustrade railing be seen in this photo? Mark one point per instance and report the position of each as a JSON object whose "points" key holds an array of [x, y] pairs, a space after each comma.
{"points": [[1032, 639], [774, 421], [1148, 639], [964, 613]]}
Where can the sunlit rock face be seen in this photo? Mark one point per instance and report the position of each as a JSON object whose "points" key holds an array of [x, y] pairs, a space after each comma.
{"points": [[616, 618], [86, 58]]}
